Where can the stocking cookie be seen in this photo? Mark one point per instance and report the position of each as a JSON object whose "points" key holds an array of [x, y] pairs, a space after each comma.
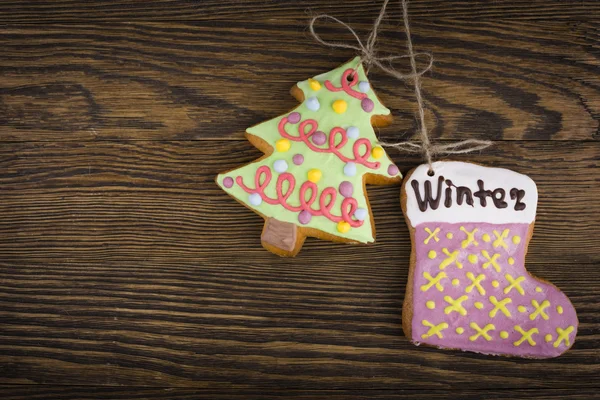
{"points": [[468, 287], [318, 158]]}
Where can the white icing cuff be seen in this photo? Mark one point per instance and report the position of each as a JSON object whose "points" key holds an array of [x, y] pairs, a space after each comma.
{"points": [[498, 195]]}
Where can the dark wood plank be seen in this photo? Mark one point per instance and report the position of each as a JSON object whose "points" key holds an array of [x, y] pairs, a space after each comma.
{"points": [[498, 79], [132, 200], [130, 10], [45, 392]]}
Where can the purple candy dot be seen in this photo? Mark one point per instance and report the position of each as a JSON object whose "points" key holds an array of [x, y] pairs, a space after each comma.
{"points": [[346, 189], [228, 182], [294, 118], [298, 159], [304, 217], [393, 170], [319, 138], [367, 104]]}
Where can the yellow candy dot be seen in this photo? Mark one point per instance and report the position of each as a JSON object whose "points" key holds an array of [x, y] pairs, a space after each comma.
{"points": [[559, 309], [548, 338], [516, 239], [511, 260], [340, 106], [522, 308], [455, 282], [343, 226], [472, 258], [430, 304], [478, 305], [486, 237], [503, 334], [314, 175], [377, 152], [460, 330], [283, 145], [432, 254], [314, 84], [449, 235], [495, 283], [539, 289]]}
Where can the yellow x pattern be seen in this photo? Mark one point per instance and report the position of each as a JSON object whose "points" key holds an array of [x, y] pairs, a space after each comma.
{"points": [[432, 235], [526, 336], [500, 239], [433, 329], [563, 335], [514, 283], [455, 305], [433, 281], [500, 306], [450, 259], [476, 283], [539, 309], [470, 237], [481, 331], [492, 260]]}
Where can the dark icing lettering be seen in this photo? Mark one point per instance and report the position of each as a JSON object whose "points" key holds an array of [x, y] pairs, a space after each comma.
{"points": [[518, 194], [464, 192], [427, 199], [482, 193], [448, 199], [498, 198]]}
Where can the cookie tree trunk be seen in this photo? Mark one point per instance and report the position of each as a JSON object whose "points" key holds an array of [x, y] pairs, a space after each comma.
{"points": [[280, 237]]}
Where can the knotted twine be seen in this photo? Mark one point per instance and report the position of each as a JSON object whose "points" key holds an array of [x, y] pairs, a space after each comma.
{"points": [[369, 56]]}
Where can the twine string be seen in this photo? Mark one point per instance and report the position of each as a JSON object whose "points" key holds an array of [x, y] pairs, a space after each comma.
{"points": [[369, 56]]}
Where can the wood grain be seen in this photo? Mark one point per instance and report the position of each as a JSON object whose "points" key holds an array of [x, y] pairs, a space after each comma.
{"points": [[500, 80], [131, 10], [125, 272], [13, 392]]}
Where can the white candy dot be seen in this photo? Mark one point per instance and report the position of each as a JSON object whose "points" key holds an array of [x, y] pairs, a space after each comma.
{"points": [[352, 132], [350, 169], [312, 103], [280, 166], [364, 86], [255, 199], [360, 214]]}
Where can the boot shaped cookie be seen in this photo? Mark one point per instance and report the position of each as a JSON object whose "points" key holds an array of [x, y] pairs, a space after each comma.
{"points": [[468, 287]]}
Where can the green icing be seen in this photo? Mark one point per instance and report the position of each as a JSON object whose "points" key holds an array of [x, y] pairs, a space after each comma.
{"points": [[329, 164]]}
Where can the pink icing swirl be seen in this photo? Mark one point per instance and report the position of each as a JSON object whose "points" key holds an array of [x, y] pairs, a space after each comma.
{"points": [[347, 84], [326, 199], [304, 136]]}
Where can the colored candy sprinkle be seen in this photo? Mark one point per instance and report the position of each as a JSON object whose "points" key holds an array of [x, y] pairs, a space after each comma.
{"points": [[314, 84], [314, 175], [228, 182], [340, 106], [282, 145], [343, 226]]}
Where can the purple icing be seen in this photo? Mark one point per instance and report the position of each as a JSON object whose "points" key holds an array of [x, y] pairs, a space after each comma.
{"points": [[298, 159], [367, 104], [496, 345], [228, 182], [304, 217], [319, 138], [393, 170], [294, 118], [346, 189]]}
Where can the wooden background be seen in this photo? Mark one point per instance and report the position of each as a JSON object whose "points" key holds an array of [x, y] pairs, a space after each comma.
{"points": [[125, 272]]}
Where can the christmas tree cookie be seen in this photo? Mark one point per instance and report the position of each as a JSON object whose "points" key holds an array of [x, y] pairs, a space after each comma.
{"points": [[318, 158], [468, 287]]}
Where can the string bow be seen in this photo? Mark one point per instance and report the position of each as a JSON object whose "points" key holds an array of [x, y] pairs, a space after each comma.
{"points": [[368, 54]]}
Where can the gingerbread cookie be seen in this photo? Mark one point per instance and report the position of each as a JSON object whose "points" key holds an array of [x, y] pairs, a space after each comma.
{"points": [[468, 287], [318, 158]]}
